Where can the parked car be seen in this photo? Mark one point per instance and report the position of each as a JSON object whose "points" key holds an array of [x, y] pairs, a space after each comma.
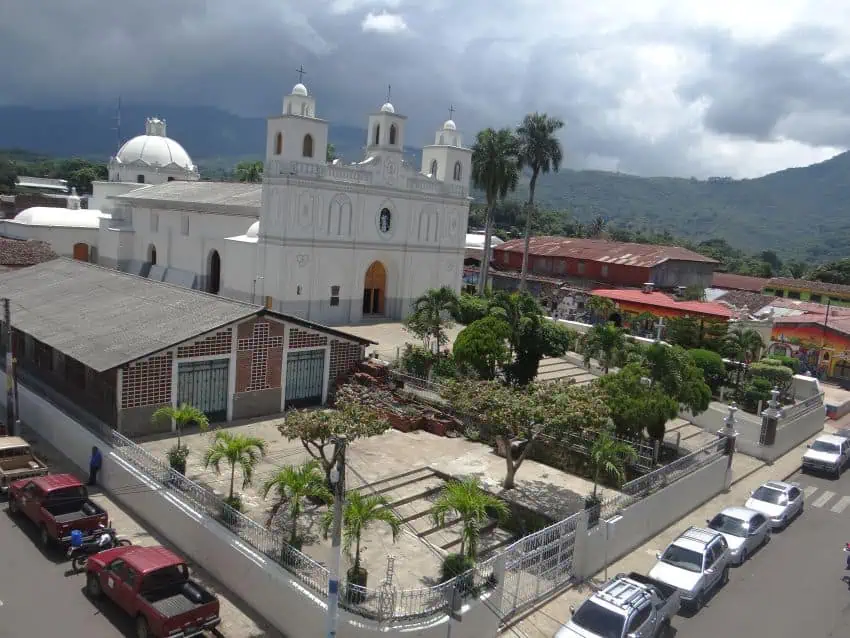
{"points": [[152, 585], [628, 605], [18, 462], [696, 563], [56, 504], [745, 531], [778, 500], [827, 453]]}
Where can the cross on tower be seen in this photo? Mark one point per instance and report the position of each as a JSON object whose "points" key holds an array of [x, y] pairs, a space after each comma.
{"points": [[451, 111], [301, 73], [389, 91]]}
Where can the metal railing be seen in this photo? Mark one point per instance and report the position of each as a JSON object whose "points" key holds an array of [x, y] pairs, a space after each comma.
{"points": [[803, 407]]}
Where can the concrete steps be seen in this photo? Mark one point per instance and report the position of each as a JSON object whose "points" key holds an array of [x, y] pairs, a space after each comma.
{"points": [[557, 369], [692, 437]]}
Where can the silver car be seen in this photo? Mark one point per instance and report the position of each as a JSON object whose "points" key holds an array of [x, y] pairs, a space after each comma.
{"points": [[779, 501], [827, 453], [744, 529]]}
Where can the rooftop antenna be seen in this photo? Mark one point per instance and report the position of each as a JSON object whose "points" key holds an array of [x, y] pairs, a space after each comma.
{"points": [[389, 92], [301, 73]]}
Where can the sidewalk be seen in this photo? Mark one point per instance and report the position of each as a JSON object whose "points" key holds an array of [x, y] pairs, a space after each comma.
{"points": [[748, 474]]}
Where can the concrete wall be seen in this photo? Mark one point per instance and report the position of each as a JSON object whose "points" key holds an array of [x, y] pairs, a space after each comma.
{"points": [[712, 420], [270, 590], [647, 517], [61, 239]]}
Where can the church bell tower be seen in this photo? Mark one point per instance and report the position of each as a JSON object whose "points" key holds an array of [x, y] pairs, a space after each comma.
{"points": [[296, 135]]}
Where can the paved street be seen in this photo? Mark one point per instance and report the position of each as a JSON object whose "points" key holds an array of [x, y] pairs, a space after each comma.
{"points": [[38, 598], [794, 586]]}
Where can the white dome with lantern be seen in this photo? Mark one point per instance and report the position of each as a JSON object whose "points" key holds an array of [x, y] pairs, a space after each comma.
{"points": [[152, 158]]}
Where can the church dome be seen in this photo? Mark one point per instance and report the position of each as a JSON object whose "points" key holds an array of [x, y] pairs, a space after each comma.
{"points": [[387, 108], [154, 149], [60, 217], [299, 89], [449, 125]]}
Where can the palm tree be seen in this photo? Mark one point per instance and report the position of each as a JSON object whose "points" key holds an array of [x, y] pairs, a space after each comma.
{"points": [[743, 345], [249, 172], [601, 306], [358, 514], [596, 227], [182, 416], [609, 456], [539, 150], [292, 485], [495, 170], [605, 342], [473, 506], [431, 316], [236, 449], [330, 153]]}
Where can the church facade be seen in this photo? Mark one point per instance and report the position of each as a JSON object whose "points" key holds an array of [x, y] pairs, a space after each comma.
{"points": [[328, 242]]}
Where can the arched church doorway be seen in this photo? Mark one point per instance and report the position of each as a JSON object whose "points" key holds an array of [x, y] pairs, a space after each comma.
{"points": [[374, 289], [214, 273], [81, 252], [152, 255]]}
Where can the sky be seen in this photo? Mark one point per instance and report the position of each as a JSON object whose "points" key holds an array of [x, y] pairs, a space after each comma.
{"points": [[653, 87]]}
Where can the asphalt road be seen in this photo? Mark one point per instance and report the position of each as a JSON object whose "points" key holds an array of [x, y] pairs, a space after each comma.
{"points": [[38, 595], [792, 587]]}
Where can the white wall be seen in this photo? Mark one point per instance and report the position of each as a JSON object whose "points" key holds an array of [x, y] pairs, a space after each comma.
{"points": [[61, 239], [647, 517], [102, 191], [270, 590]]}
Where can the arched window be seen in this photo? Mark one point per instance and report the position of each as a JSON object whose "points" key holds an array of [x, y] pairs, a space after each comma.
{"points": [[393, 131], [278, 144], [307, 146], [433, 168], [442, 139], [214, 275], [140, 179], [377, 134], [152, 255], [458, 172]]}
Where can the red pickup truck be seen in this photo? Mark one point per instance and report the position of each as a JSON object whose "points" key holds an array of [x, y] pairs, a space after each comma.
{"points": [[152, 585], [57, 504]]}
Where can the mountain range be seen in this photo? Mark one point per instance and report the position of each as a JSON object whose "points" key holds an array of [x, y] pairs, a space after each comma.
{"points": [[801, 213]]}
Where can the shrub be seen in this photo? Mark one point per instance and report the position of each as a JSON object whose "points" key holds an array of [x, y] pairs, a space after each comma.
{"points": [[712, 366], [784, 360], [482, 346], [177, 456], [756, 390], [470, 308], [455, 565], [777, 375], [416, 360]]}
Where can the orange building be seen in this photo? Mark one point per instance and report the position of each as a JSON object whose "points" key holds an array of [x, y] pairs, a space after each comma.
{"points": [[823, 345], [661, 305]]}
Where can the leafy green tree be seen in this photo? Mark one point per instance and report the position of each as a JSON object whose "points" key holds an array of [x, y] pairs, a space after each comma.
{"points": [[251, 172], [712, 366], [744, 346], [834, 272], [596, 227], [330, 153], [292, 485], [796, 269], [495, 170], [471, 308], [601, 308], [609, 457], [473, 506], [82, 178], [567, 407], [182, 416], [539, 150], [778, 375], [637, 407], [605, 343], [431, 317], [677, 375], [482, 345], [359, 513], [237, 450]]}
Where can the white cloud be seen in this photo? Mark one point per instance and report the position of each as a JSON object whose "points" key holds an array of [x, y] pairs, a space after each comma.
{"points": [[383, 23]]}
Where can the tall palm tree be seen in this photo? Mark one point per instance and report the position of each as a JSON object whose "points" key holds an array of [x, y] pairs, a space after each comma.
{"points": [[292, 485], [540, 151], [359, 513], [601, 306], [609, 456], [605, 342], [249, 172], [743, 345], [235, 449], [495, 170], [473, 506], [431, 316], [596, 227], [182, 416]]}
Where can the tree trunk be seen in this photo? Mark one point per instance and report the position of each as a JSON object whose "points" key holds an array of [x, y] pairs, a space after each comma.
{"points": [[529, 214], [232, 477], [484, 272], [357, 556]]}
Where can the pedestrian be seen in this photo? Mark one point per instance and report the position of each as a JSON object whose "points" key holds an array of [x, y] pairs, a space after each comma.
{"points": [[95, 463]]}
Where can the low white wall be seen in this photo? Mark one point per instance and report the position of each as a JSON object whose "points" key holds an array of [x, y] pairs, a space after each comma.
{"points": [[788, 436], [647, 517], [713, 419], [270, 590]]}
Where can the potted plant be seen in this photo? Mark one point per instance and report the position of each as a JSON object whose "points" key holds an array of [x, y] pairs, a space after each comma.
{"points": [[236, 450], [293, 485], [607, 456], [177, 456]]}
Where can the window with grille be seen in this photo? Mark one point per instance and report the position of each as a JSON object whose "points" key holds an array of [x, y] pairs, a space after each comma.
{"points": [[334, 295]]}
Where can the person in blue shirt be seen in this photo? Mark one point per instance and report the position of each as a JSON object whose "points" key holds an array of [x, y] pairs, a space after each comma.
{"points": [[95, 464]]}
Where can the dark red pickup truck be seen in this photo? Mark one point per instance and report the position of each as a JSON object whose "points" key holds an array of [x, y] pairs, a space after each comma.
{"points": [[57, 504], [152, 585]]}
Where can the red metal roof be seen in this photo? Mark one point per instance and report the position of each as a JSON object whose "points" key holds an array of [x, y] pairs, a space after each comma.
{"points": [[602, 250], [52, 482], [661, 300], [144, 559], [731, 281]]}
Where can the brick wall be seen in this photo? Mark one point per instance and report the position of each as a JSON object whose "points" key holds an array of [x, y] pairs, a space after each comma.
{"points": [[259, 355], [344, 356], [303, 339], [217, 344], [147, 383]]}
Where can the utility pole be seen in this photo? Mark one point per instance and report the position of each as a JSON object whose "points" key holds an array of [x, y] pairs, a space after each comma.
{"points": [[10, 396], [338, 480]]}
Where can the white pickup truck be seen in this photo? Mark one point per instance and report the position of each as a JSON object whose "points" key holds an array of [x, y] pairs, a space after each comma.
{"points": [[17, 461], [628, 606]]}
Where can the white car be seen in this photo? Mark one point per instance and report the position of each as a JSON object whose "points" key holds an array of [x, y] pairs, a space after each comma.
{"points": [[827, 453], [779, 501], [745, 530]]}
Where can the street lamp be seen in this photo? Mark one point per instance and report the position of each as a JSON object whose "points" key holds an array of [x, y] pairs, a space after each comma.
{"points": [[254, 288]]}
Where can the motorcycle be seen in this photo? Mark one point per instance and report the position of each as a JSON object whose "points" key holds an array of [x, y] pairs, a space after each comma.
{"points": [[101, 540]]}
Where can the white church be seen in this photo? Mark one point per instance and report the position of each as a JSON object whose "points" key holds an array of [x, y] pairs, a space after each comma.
{"points": [[336, 244]]}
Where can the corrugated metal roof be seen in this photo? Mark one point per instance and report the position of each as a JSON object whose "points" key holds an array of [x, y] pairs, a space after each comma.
{"points": [[661, 300], [610, 252], [105, 318], [731, 281], [191, 194], [805, 284]]}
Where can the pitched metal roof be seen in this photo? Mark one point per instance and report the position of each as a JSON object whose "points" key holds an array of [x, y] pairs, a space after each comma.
{"points": [[731, 281], [199, 195], [811, 286], [660, 300], [105, 318], [602, 250]]}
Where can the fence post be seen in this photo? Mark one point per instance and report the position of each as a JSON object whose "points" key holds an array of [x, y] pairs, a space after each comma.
{"points": [[656, 452], [581, 564], [728, 434]]}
